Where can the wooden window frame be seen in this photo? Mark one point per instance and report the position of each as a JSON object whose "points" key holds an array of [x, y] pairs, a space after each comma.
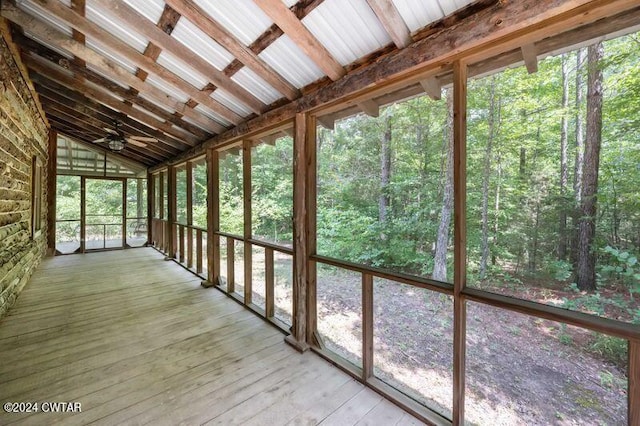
{"points": [[36, 196]]}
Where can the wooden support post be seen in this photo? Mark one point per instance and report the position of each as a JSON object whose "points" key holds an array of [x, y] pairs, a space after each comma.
{"points": [[269, 282], [124, 212], [52, 148], [189, 214], [213, 165], [246, 198], [161, 212], [171, 212], [213, 217], [367, 326], [231, 258], [181, 242], [634, 383], [198, 251], [83, 213], [298, 336], [460, 237], [311, 196], [151, 191]]}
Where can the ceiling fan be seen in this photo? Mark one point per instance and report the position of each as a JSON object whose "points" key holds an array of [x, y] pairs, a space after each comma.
{"points": [[116, 140]]}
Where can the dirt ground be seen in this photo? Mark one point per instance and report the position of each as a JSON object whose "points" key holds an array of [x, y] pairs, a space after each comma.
{"points": [[520, 370]]}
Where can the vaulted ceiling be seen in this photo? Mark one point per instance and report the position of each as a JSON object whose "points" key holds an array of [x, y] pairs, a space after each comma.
{"points": [[182, 71]]}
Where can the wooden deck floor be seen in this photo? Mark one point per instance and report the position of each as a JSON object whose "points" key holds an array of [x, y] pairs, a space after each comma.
{"points": [[136, 340]]}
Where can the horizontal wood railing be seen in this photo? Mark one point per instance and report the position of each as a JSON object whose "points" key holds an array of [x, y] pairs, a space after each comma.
{"points": [[191, 251], [269, 311]]}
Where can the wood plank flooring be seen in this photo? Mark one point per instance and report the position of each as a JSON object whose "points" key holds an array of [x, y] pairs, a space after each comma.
{"points": [[136, 340]]}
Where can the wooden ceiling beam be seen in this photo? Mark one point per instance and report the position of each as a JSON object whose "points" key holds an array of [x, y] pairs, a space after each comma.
{"points": [[65, 127], [86, 106], [392, 22], [96, 133], [494, 30], [52, 102], [300, 9], [79, 6], [111, 68], [169, 44], [107, 99], [30, 45], [213, 29], [302, 37]]}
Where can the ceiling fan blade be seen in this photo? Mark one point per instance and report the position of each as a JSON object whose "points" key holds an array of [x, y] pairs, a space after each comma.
{"points": [[136, 143], [108, 130], [143, 138], [101, 140]]}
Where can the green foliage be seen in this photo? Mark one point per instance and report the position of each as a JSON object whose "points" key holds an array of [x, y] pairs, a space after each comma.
{"points": [[560, 270], [612, 349], [622, 266]]}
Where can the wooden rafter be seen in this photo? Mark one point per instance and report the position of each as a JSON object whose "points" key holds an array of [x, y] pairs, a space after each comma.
{"points": [[104, 98], [302, 37], [300, 9], [206, 23], [106, 66], [88, 106], [78, 6], [392, 22], [169, 44], [71, 129], [32, 46], [53, 102], [109, 67], [470, 39]]}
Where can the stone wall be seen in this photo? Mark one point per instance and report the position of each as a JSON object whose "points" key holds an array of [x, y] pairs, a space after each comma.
{"points": [[23, 135]]}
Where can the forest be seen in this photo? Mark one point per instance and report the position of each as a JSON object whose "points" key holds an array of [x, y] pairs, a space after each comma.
{"points": [[553, 162]]}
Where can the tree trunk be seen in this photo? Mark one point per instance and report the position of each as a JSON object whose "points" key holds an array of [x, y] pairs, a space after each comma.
{"points": [[579, 157], [485, 181], [496, 215], [586, 271], [442, 240], [564, 130], [385, 170]]}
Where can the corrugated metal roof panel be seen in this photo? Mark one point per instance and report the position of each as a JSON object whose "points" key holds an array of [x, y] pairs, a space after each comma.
{"points": [[37, 11], [157, 104], [50, 46], [196, 40], [209, 113], [156, 81], [418, 13], [101, 49], [97, 71], [150, 9], [139, 108], [450, 6], [287, 59], [251, 81], [243, 18], [182, 69], [226, 99], [113, 26], [348, 29]]}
